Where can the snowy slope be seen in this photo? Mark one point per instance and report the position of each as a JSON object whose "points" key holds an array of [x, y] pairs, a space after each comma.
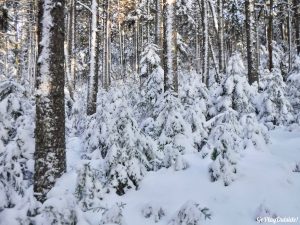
{"points": [[266, 181]]}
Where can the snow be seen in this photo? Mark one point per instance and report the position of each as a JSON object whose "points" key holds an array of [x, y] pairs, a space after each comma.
{"points": [[270, 181], [266, 181], [160, 163], [47, 21]]}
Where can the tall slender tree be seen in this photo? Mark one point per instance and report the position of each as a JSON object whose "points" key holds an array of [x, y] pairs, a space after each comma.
{"points": [[252, 69], [221, 36], [50, 155], [296, 5], [170, 46], [205, 43], [93, 75], [270, 35]]}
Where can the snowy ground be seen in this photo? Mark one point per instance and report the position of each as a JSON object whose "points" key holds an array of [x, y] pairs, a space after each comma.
{"points": [[265, 178]]}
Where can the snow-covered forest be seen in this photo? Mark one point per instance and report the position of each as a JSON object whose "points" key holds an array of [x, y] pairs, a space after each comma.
{"points": [[143, 112]]}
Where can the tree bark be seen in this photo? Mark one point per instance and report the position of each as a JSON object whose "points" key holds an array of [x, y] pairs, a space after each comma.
{"points": [[204, 42], [270, 36], [50, 155], [170, 47], [252, 69], [72, 42], [289, 34], [106, 42], [296, 6], [158, 22], [93, 75]]}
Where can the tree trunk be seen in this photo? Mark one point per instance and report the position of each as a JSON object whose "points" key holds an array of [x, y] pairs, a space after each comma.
{"points": [[50, 155], [106, 42], [297, 24], [270, 36], [221, 36], [252, 69], [93, 75], [72, 42], [158, 22], [204, 42], [170, 47], [136, 48], [289, 34], [120, 31]]}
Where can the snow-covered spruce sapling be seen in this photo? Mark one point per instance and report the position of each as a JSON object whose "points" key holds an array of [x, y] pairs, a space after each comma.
{"points": [[195, 100], [273, 106], [89, 189], [172, 132], [234, 91], [16, 143], [297, 167], [154, 212], [76, 115], [152, 86], [293, 85], [191, 213], [264, 211], [57, 211], [223, 145], [255, 134], [113, 215], [128, 154]]}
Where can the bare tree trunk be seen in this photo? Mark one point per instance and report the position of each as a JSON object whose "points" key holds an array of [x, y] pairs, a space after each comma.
{"points": [[106, 42], [217, 76], [68, 25], [221, 36], [72, 42], [148, 23], [270, 36], [93, 75], [170, 47], [296, 6], [198, 46], [205, 42], [32, 46], [136, 48], [158, 22], [122, 69], [252, 69], [257, 43], [289, 29], [50, 155]]}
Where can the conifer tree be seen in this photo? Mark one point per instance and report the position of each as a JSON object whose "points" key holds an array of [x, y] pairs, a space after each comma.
{"points": [[50, 155]]}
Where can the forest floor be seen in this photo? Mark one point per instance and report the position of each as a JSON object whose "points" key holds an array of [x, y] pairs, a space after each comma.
{"points": [[265, 186]]}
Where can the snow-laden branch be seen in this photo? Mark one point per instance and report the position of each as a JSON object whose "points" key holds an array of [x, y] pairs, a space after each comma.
{"points": [[85, 6]]}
